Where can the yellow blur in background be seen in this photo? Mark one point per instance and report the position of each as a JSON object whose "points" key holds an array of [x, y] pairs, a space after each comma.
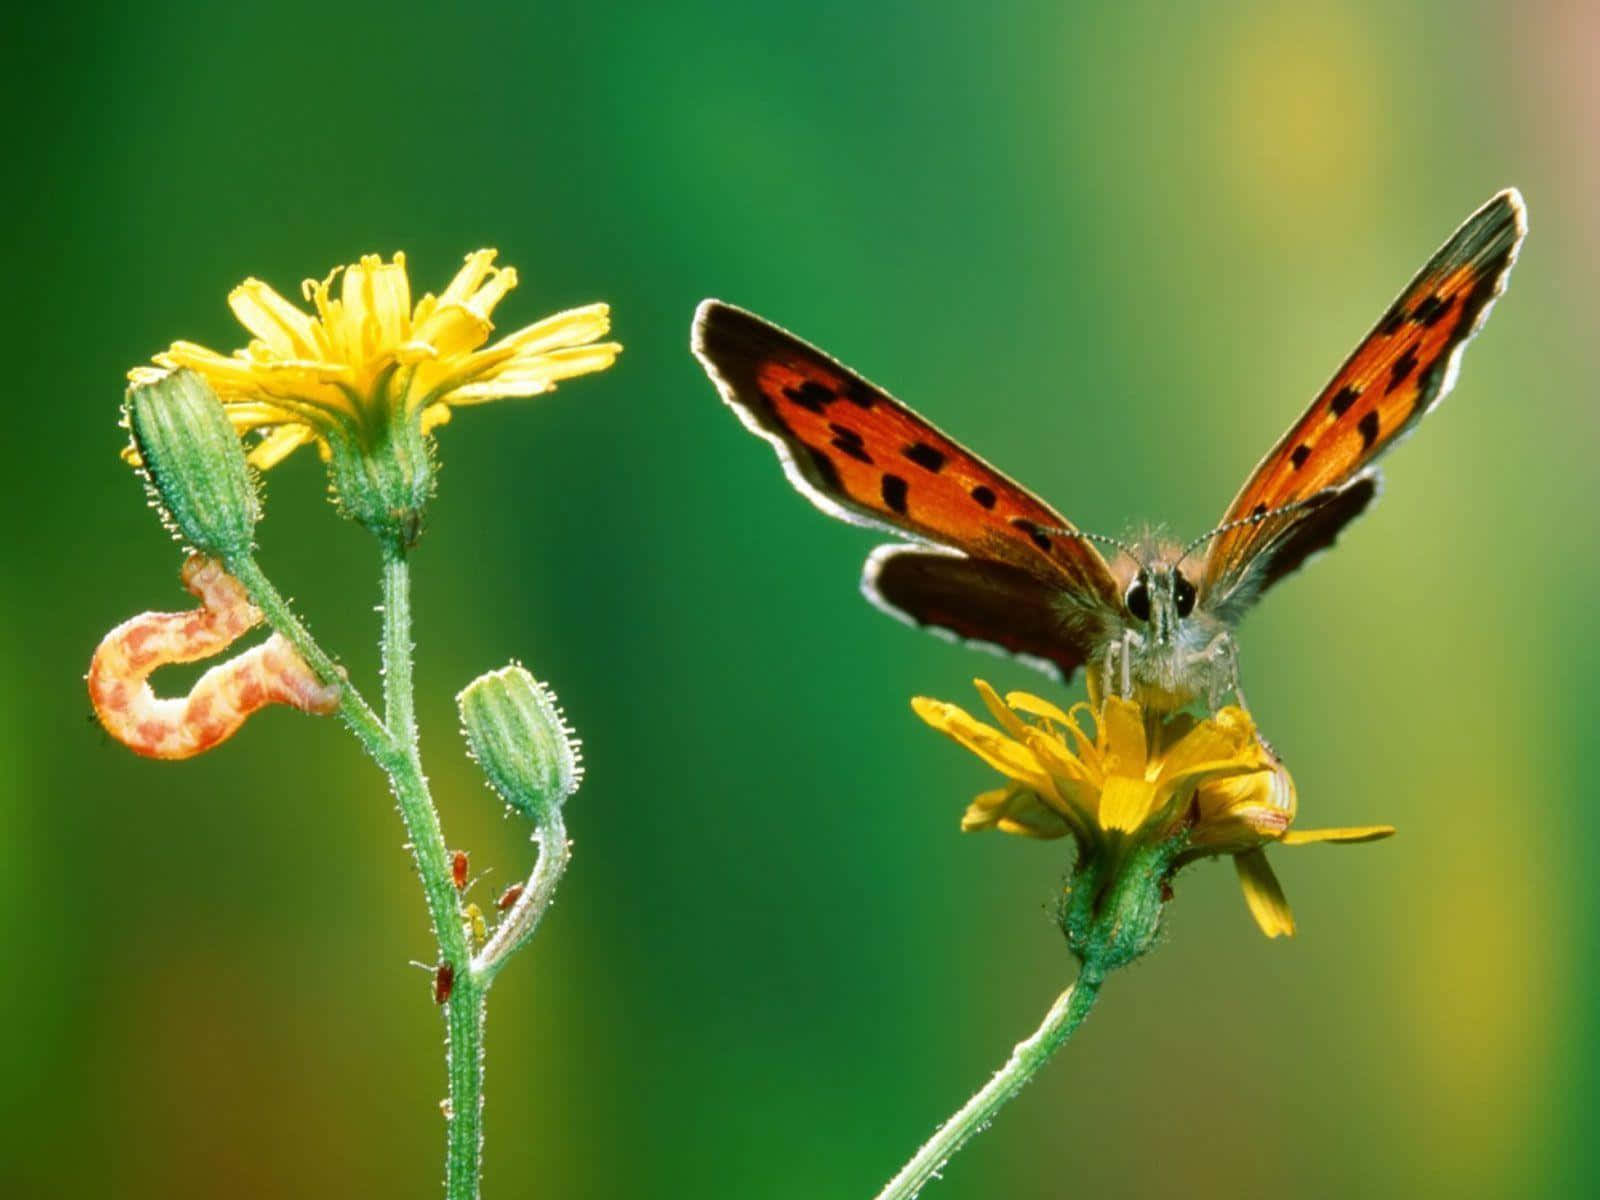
{"points": [[1114, 253]]}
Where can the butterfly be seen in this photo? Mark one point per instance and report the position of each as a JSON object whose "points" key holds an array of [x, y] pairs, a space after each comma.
{"points": [[993, 564]]}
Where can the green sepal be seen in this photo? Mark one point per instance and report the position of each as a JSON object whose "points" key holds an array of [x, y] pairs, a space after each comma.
{"points": [[382, 476], [193, 464], [520, 738], [1112, 906]]}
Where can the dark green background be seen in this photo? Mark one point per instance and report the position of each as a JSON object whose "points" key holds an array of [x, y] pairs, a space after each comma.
{"points": [[1116, 255]]}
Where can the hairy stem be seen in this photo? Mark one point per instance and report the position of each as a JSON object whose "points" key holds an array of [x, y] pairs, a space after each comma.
{"points": [[513, 932], [464, 1010], [1065, 1015], [353, 708], [392, 743]]}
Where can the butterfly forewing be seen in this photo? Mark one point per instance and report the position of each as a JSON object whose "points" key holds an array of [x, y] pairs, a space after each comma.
{"points": [[1402, 369], [860, 455]]}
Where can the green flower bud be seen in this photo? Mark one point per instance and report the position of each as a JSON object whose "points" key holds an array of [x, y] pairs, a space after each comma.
{"points": [[519, 736], [193, 464]]}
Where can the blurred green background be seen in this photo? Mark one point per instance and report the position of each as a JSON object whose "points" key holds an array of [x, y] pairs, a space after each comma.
{"points": [[1116, 254]]}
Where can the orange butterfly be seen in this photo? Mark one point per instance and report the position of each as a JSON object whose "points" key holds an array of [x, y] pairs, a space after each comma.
{"points": [[996, 565]]}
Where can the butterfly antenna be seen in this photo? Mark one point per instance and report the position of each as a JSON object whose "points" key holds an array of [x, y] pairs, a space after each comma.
{"points": [[1253, 519], [1083, 536]]}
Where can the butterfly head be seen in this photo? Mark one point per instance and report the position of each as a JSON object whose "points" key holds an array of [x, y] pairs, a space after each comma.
{"points": [[1157, 594]]}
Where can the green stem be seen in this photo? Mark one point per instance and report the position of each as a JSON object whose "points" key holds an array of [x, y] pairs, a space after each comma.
{"points": [[392, 744], [1065, 1015], [519, 924], [463, 1014], [464, 1010], [357, 713]]}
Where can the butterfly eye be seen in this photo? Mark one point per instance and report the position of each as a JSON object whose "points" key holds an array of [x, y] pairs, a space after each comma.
{"points": [[1182, 594], [1138, 599]]}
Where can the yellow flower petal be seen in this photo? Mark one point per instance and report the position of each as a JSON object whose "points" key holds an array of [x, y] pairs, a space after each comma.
{"points": [[1263, 894], [273, 448], [1205, 747], [1125, 802], [494, 290], [1035, 707], [1003, 715], [389, 300], [575, 327], [1054, 755], [1238, 811], [467, 279], [283, 327], [452, 330], [1010, 758], [1122, 735], [434, 416], [367, 355], [1347, 834], [1014, 809]]}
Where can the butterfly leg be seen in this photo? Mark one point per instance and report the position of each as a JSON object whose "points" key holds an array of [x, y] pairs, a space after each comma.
{"points": [[1127, 664], [1223, 655]]}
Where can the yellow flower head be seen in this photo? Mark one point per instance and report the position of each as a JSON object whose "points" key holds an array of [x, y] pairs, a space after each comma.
{"points": [[1123, 778], [367, 357]]}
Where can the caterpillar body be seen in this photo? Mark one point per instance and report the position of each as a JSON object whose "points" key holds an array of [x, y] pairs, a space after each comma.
{"points": [[223, 698]]}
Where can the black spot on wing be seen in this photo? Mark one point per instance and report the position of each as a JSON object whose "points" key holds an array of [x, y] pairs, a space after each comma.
{"points": [[826, 469], [1368, 428], [854, 449], [1401, 371], [984, 496], [1343, 399], [848, 441], [811, 396], [1298, 456], [859, 394], [1391, 323], [894, 493], [1432, 310], [925, 456], [1039, 537]]}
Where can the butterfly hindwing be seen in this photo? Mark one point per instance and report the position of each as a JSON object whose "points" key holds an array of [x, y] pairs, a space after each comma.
{"points": [[983, 602], [860, 455], [1403, 368]]}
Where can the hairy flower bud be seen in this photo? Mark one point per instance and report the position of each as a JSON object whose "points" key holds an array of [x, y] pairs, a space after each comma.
{"points": [[519, 736], [193, 464]]}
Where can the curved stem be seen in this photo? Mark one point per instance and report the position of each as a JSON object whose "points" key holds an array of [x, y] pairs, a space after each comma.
{"points": [[555, 851], [357, 713], [1065, 1015]]}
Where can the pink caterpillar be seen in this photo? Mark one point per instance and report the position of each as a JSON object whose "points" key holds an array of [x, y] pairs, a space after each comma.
{"points": [[271, 673]]}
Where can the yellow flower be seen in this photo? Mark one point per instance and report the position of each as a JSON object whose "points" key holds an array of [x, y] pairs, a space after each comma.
{"points": [[1134, 778], [368, 358]]}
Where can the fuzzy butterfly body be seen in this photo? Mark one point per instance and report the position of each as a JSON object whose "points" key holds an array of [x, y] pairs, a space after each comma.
{"points": [[995, 564]]}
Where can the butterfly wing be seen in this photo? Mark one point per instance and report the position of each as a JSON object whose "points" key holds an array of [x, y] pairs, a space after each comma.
{"points": [[860, 455], [1401, 371], [1315, 528], [979, 602]]}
